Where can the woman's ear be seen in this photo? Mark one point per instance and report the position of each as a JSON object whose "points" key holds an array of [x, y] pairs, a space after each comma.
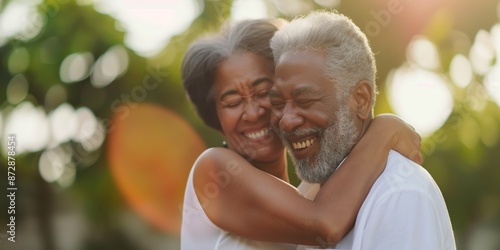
{"points": [[221, 132], [363, 95], [224, 142]]}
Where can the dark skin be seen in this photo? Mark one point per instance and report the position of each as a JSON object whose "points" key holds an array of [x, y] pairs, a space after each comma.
{"points": [[254, 199], [303, 98]]}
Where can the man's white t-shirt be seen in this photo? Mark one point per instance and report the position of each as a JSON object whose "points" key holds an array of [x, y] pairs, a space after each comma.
{"points": [[199, 232], [403, 210]]}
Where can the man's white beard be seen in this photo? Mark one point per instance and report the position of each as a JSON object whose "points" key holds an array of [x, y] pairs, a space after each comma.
{"points": [[336, 142]]}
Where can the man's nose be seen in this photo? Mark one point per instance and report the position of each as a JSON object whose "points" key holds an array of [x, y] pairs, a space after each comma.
{"points": [[290, 119]]}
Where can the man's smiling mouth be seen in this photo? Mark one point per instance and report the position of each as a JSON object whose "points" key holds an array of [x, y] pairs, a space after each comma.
{"points": [[303, 144]]}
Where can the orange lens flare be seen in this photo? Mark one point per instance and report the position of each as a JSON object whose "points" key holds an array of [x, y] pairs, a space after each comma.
{"points": [[151, 150]]}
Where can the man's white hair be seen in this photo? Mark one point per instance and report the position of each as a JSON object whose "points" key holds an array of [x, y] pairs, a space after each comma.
{"points": [[348, 56]]}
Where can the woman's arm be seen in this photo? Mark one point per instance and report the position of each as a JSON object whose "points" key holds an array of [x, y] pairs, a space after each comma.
{"points": [[341, 197], [248, 202]]}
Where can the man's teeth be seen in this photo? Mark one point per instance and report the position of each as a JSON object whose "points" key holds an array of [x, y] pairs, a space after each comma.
{"points": [[258, 134], [304, 144]]}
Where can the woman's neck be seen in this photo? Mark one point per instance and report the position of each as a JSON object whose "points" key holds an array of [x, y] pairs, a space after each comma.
{"points": [[277, 168]]}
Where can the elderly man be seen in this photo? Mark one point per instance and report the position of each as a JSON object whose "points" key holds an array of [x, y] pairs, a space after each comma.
{"points": [[322, 101]]}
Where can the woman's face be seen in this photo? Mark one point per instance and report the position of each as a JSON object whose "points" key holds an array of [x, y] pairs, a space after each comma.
{"points": [[242, 83]]}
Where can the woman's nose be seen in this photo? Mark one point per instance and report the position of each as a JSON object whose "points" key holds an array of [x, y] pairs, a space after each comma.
{"points": [[252, 111]]}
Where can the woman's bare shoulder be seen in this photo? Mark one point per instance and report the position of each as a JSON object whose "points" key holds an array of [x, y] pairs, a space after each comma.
{"points": [[218, 153], [216, 159]]}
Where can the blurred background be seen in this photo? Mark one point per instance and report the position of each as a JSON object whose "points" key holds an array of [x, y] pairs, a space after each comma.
{"points": [[105, 137]]}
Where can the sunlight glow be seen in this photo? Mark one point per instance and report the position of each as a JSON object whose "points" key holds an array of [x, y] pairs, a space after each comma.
{"points": [[328, 3], [420, 97], [293, 7], [149, 24], [244, 9]]}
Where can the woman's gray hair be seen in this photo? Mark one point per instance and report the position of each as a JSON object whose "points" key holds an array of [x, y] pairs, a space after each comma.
{"points": [[348, 56], [203, 57]]}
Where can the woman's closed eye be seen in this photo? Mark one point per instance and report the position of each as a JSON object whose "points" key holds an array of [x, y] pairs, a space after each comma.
{"points": [[232, 102], [262, 93]]}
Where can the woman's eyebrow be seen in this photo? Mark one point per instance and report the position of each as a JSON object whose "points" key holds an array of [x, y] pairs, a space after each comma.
{"points": [[228, 92], [254, 84]]}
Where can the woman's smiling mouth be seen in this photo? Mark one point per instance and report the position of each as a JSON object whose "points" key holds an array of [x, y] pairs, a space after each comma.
{"points": [[260, 134]]}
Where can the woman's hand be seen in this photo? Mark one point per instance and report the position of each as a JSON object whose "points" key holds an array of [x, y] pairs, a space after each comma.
{"points": [[403, 137]]}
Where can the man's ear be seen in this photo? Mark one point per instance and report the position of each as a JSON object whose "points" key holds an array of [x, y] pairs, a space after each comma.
{"points": [[363, 96]]}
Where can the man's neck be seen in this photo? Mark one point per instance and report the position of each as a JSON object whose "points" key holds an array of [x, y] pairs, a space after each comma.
{"points": [[363, 128], [277, 168]]}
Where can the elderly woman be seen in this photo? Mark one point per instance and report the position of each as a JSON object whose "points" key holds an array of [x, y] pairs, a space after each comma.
{"points": [[239, 197]]}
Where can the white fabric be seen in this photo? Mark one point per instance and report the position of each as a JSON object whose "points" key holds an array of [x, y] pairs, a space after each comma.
{"points": [[404, 210], [199, 233]]}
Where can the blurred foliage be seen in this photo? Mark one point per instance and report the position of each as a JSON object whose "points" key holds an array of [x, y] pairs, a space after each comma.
{"points": [[462, 156]]}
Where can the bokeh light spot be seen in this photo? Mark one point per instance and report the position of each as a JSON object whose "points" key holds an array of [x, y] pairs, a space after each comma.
{"points": [[19, 60], [495, 38], [492, 83], [67, 176], [17, 89], [423, 52], [421, 98], [52, 163], [31, 126], [242, 9], [293, 7], [461, 71], [20, 19], [63, 124], [482, 53], [109, 66], [87, 124], [151, 152], [328, 3], [76, 67], [149, 24]]}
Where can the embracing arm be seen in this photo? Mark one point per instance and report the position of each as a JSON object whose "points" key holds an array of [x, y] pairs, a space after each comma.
{"points": [[248, 202], [343, 193]]}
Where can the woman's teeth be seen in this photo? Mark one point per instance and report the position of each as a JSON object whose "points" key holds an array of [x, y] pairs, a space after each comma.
{"points": [[304, 144], [258, 134]]}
